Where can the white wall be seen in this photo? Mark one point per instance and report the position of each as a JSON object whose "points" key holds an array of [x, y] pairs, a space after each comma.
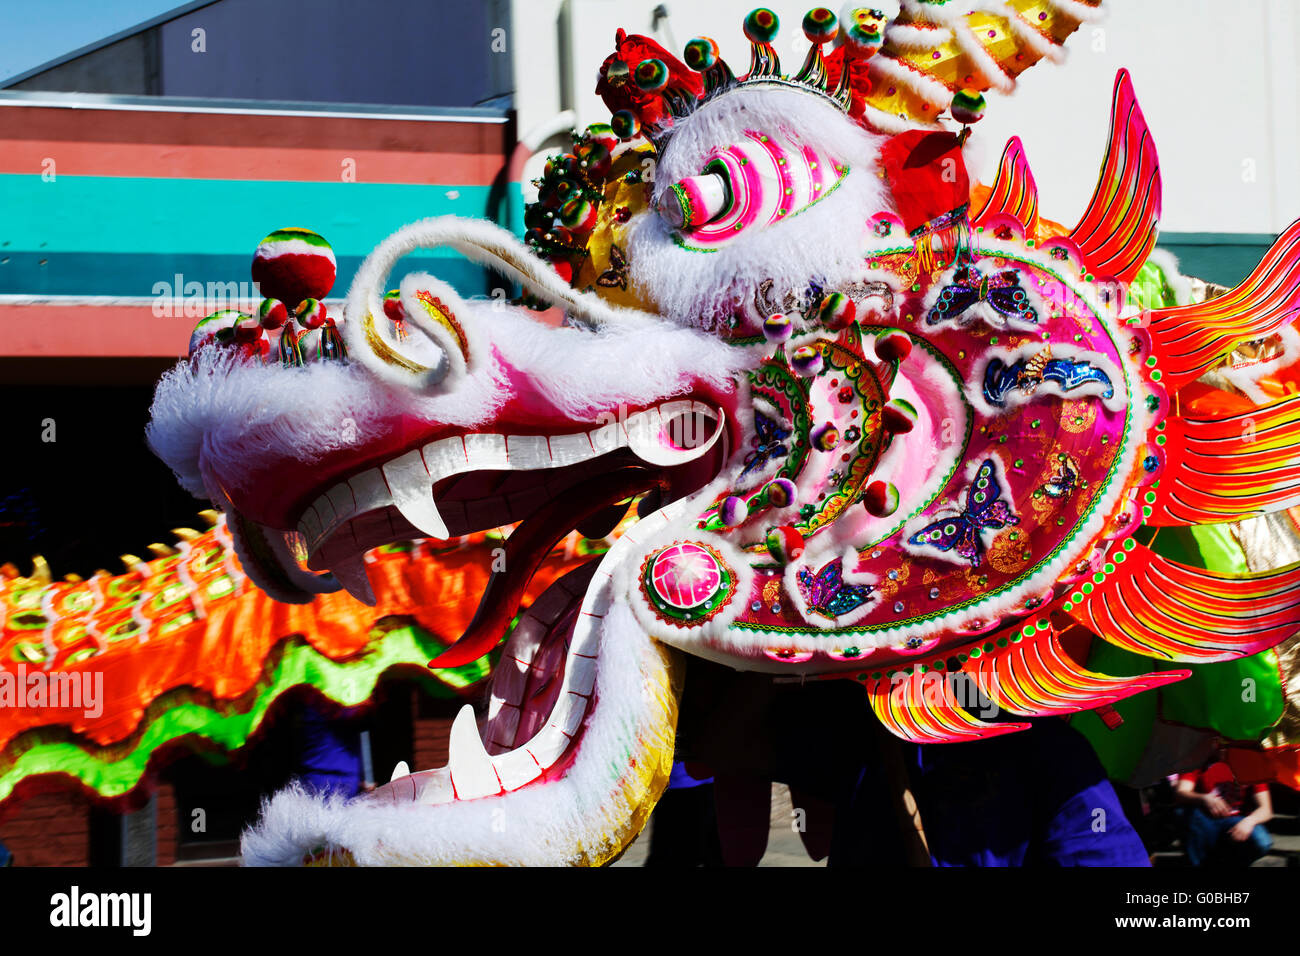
{"points": [[1218, 84]]}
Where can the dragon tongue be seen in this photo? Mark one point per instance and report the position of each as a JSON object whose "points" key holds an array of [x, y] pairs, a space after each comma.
{"points": [[526, 548]]}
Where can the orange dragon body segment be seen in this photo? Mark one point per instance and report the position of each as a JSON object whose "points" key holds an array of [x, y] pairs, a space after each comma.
{"points": [[188, 632]]}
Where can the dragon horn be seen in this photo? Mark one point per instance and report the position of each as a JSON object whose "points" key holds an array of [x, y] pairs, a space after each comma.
{"points": [[932, 52]]}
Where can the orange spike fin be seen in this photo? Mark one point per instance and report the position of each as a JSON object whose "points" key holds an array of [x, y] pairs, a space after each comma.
{"points": [[1118, 229], [920, 708], [1035, 677], [1229, 468], [1014, 192], [1189, 340], [1159, 608]]}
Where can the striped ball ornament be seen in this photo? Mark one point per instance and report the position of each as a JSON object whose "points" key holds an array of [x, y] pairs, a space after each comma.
{"points": [[294, 264]]}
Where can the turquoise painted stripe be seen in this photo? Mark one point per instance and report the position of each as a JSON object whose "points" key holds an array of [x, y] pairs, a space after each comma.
{"points": [[1222, 257], [90, 273], [105, 214]]}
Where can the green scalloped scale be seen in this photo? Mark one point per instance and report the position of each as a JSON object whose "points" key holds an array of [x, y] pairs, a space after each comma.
{"points": [[110, 773]]}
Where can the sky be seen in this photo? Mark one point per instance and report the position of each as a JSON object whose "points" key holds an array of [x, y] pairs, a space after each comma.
{"points": [[36, 31]]}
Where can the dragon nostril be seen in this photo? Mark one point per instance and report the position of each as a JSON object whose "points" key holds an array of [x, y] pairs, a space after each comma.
{"points": [[695, 200]]}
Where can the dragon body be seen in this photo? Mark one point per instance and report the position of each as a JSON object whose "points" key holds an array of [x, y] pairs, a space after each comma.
{"points": [[877, 432]]}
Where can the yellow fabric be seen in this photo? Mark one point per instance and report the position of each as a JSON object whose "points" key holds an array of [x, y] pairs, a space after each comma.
{"points": [[604, 270]]}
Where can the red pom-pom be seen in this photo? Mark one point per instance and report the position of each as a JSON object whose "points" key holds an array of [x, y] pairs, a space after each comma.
{"points": [[273, 313], [880, 499], [837, 311], [393, 307], [893, 345], [310, 313], [564, 268], [785, 544], [898, 416], [294, 264]]}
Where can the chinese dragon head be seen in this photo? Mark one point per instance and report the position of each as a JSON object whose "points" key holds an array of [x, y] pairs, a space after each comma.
{"points": [[872, 427]]}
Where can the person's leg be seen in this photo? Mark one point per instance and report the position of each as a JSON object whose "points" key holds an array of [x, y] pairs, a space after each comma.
{"points": [[329, 754], [678, 828], [1201, 835], [1224, 850], [1260, 842]]}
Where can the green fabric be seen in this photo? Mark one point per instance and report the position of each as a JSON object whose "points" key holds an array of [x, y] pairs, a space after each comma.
{"points": [[1150, 288], [347, 683], [1120, 749], [1239, 699]]}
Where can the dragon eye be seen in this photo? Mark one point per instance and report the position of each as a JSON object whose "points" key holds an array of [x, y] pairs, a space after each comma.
{"points": [[695, 200]]}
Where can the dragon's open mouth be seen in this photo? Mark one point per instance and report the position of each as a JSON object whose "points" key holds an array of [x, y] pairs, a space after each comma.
{"points": [[471, 482], [546, 486]]}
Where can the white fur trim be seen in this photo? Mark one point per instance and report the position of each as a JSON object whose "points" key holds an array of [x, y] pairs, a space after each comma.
{"points": [[1025, 31], [217, 412], [908, 36], [1179, 284], [822, 242], [890, 72], [460, 359], [1245, 378], [984, 63], [482, 242]]}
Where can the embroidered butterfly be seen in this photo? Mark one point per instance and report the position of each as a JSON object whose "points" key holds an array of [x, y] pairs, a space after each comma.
{"points": [[768, 442], [969, 287], [1063, 482], [985, 509], [616, 275], [826, 593]]}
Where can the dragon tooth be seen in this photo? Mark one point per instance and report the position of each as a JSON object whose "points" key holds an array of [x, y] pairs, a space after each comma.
{"points": [[570, 449], [483, 452], [352, 575], [412, 492], [528, 452], [433, 787], [548, 745], [343, 500], [369, 490], [516, 768], [470, 765], [309, 526]]}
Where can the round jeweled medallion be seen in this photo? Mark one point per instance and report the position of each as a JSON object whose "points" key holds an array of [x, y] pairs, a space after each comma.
{"points": [[687, 582]]}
